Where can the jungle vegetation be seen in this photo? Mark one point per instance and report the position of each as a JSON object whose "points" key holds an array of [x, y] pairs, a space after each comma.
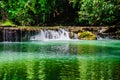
{"points": [[60, 12]]}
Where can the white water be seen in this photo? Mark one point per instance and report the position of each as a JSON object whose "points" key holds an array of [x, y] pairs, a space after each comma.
{"points": [[102, 38], [60, 34]]}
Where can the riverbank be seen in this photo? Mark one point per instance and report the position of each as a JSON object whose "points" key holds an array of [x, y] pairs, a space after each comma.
{"points": [[23, 33]]}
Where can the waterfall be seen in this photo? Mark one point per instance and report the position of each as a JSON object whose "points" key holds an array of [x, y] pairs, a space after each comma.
{"points": [[59, 34], [99, 37], [102, 35], [10, 35]]}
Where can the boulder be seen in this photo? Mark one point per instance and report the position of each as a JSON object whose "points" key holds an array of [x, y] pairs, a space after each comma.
{"points": [[86, 35]]}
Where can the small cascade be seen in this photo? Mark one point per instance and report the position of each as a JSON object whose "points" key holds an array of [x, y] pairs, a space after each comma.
{"points": [[59, 34], [103, 37]]}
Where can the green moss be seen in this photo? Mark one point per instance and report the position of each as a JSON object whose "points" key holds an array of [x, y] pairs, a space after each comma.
{"points": [[0, 23], [6, 23], [86, 35]]}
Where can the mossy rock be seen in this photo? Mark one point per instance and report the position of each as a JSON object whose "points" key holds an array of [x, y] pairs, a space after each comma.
{"points": [[86, 35]]}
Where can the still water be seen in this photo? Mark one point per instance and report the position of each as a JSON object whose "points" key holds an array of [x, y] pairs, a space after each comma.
{"points": [[60, 60]]}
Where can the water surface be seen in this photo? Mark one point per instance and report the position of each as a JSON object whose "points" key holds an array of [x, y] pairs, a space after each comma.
{"points": [[60, 60]]}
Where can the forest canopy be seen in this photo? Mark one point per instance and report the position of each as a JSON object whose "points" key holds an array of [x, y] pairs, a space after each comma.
{"points": [[60, 12]]}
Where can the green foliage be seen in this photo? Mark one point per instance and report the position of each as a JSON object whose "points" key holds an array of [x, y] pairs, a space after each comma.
{"points": [[96, 12], [2, 4], [35, 12]]}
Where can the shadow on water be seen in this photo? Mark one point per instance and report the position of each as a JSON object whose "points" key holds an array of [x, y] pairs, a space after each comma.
{"points": [[60, 60]]}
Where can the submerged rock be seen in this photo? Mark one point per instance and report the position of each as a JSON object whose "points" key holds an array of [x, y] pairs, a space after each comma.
{"points": [[86, 35]]}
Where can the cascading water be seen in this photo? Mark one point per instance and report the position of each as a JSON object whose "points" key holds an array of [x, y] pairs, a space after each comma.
{"points": [[13, 34], [59, 34], [102, 36]]}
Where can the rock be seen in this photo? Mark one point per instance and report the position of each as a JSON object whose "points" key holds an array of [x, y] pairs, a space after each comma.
{"points": [[71, 35], [86, 35]]}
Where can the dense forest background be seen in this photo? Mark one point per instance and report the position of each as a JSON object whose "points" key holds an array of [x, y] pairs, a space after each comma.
{"points": [[60, 12]]}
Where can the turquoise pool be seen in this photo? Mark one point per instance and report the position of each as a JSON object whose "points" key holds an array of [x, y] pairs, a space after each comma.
{"points": [[60, 60]]}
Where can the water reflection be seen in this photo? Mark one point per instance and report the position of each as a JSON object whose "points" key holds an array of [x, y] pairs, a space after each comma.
{"points": [[92, 69], [59, 61]]}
